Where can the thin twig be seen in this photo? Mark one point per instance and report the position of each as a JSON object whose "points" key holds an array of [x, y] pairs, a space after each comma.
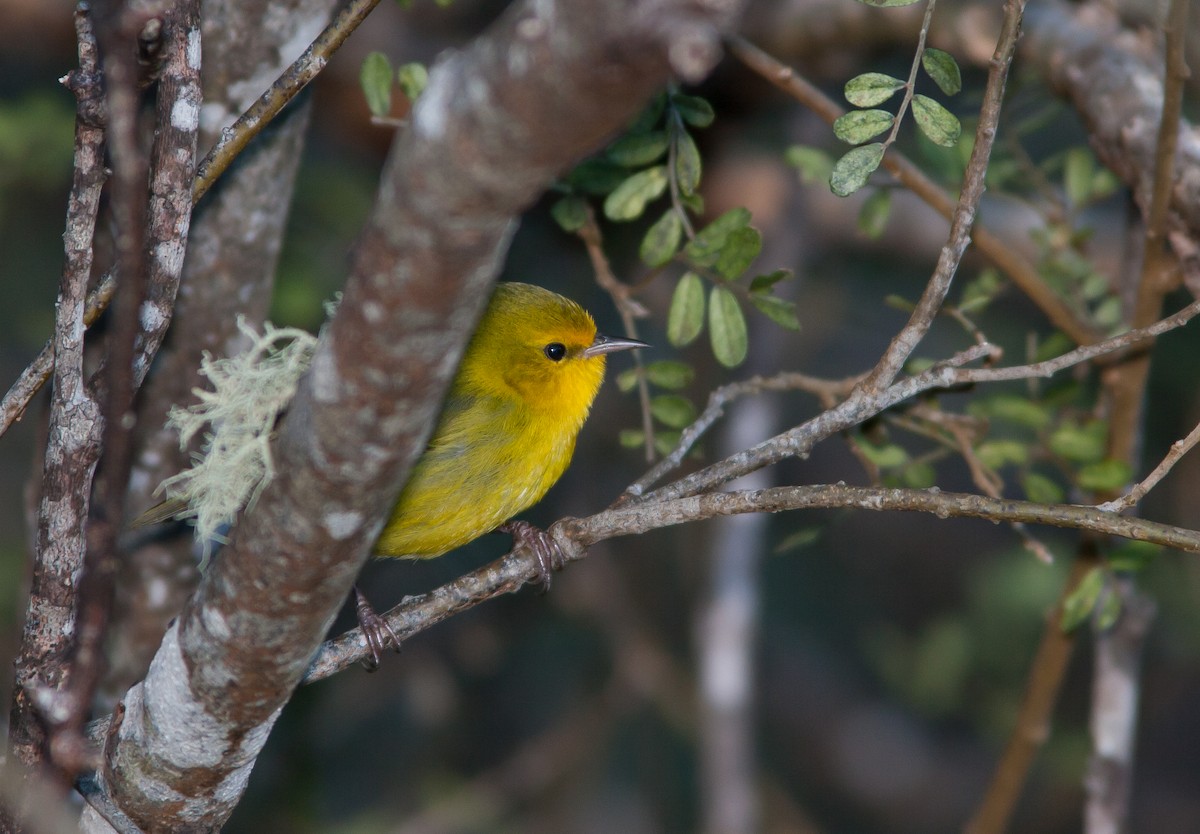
{"points": [[73, 437], [304, 69], [1004, 254], [827, 390], [628, 308], [904, 342], [1178, 449]]}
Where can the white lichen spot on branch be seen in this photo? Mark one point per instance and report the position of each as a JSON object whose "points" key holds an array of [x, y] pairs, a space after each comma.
{"points": [[249, 391]]}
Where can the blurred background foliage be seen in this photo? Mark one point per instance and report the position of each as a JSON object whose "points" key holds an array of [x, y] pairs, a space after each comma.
{"points": [[892, 649]]}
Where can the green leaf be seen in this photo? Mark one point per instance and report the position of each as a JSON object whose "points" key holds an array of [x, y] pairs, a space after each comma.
{"points": [[1108, 475], [850, 173], [812, 164], [741, 247], [570, 213], [997, 453], [636, 150], [669, 373], [1082, 601], [692, 109], [979, 291], [1132, 556], [376, 80], [666, 441], [885, 4], [412, 78], [1041, 490], [943, 69], [706, 246], [1056, 344], [803, 537], [885, 456], [649, 117], [1081, 444], [939, 125], [597, 176], [872, 88], [1109, 611], [687, 163], [628, 200], [1077, 176], [727, 328], [778, 310], [685, 319], [627, 380], [1014, 408], [919, 475], [673, 410], [858, 126], [873, 216], [631, 438], [662, 239], [763, 283]]}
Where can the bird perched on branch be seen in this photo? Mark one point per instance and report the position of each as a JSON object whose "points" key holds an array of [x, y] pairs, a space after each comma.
{"points": [[506, 432], [505, 435]]}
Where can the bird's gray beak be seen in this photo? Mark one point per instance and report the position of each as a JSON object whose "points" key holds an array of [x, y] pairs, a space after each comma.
{"points": [[610, 344]]}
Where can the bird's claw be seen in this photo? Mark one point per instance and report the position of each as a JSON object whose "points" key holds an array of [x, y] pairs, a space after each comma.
{"points": [[375, 629], [540, 543]]}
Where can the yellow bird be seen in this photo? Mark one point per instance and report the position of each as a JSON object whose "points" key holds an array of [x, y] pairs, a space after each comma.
{"points": [[506, 432]]}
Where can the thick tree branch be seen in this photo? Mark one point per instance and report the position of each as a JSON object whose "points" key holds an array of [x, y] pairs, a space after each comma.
{"points": [[73, 439], [497, 123]]}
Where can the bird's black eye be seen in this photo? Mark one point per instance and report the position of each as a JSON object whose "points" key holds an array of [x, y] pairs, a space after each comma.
{"points": [[555, 351]]}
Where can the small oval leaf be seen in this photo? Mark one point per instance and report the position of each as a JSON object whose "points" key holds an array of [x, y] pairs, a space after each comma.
{"points": [[943, 69], [937, 123], [685, 319], [727, 328], [673, 410], [850, 173], [628, 200], [858, 126], [871, 88], [687, 163], [706, 246], [638, 149], [874, 214], [1078, 606], [662, 240], [570, 213], [376, 80], [778, 310], [412, 78], [694, 110], [741, 248], [670, 373]]}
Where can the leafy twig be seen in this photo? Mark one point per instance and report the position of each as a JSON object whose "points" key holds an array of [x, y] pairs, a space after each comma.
{"points": [[1001, 252]]}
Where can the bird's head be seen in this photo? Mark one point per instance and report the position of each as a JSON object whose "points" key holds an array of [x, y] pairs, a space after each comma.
{"points": [[541, 347]]}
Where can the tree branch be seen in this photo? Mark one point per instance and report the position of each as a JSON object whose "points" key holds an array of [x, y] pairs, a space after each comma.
{"points": [[574, 536]]}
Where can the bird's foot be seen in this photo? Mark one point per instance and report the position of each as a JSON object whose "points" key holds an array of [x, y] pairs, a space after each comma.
{"points": [[375, 629], [547, 552]]}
